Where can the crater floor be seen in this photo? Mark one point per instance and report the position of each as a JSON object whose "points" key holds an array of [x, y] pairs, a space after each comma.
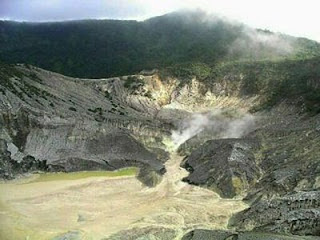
{"points": [[99, 206]]}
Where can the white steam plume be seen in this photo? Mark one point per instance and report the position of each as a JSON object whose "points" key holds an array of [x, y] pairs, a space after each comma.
{"points": [[215, 124], [190, 128]]}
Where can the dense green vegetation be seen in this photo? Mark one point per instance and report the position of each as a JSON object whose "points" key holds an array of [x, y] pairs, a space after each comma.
{"points": [[102, 48]]}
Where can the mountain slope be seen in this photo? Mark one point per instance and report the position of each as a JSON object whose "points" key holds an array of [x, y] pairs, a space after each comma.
{"points": [[270, 81], [76, 122], [102, 48]]}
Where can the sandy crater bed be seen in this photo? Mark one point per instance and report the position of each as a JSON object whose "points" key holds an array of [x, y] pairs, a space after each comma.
{"points": [[98, 206]]}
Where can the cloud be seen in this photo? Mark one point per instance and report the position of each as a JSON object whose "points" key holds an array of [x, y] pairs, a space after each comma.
{"points": [[57, 10], [259, 44]]}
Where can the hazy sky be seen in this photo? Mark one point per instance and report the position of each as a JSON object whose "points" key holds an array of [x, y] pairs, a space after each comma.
{"points": [[295, 17]]}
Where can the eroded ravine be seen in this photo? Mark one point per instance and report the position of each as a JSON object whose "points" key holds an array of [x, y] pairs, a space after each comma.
{"points": [[98, 207]]}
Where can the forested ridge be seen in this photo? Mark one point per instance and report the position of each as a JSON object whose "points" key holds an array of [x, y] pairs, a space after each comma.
{"points": [[104, 48]]}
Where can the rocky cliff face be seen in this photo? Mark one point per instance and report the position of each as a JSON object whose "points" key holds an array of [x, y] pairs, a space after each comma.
{"points": [[229, 235], [76, 125], [226, 166], [286, 166], [9, 168], [296, 213]]}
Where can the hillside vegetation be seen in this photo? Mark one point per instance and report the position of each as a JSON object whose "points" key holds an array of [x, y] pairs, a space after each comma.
{"points": [[102, 48]]}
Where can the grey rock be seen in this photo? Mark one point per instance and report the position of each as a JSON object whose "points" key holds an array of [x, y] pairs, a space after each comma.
{"points": [[297, 213], [76, 124], [226, 166], [200, 234], [9, 168]]}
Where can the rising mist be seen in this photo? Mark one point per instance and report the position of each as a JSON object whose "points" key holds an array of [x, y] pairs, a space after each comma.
{"points": [[217, 123]]}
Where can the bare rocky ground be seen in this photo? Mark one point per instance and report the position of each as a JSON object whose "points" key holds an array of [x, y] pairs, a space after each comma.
{"points": [[52, 123]]}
